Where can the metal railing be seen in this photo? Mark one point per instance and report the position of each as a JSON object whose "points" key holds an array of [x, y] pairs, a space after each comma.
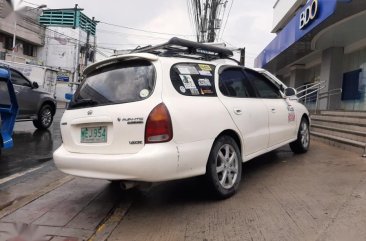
{"points": [[309, 89], [310, 93]]}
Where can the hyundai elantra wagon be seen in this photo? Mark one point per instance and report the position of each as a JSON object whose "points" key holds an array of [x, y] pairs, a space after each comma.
{"points": [[174, 111]]}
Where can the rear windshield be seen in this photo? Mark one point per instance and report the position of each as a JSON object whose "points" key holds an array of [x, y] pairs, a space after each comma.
{"points": [[117, 83]]}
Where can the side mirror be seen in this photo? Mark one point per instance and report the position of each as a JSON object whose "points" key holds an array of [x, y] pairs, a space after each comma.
{"points": [[35, 85], [290, 92]]}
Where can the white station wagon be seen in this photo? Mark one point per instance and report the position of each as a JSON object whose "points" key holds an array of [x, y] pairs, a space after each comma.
{"points": [[174, 111]]}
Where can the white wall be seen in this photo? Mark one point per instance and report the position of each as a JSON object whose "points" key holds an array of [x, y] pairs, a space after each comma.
{"points": [[60, 50], [283, 11]]}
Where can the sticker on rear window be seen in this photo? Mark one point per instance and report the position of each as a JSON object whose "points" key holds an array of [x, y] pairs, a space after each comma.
{"points": [[195, 92], [188, 82], [205, 67], [144, 93], [205, 73], [182, 89], [206, 91], [187, 70], [204, 82]]}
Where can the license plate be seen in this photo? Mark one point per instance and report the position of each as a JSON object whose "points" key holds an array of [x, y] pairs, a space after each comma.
{"points": [[94, 134]]}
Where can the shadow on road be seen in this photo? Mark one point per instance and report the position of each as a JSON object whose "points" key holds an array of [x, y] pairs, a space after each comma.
{"points": [[194, 190]]}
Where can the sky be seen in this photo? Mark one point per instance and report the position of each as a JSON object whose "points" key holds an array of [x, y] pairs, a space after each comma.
{"points": [[249, 24]]}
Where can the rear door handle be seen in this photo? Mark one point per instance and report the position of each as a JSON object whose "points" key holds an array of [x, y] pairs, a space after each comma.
{"points": [[273, 110], [238, 111]]}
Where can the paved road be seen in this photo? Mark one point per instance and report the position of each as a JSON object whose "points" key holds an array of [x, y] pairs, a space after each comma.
{"points": [[32, 147], [317, 196]]}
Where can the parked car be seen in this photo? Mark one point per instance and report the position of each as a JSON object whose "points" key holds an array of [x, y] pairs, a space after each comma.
{"points": [[175, 111], [34, 104]]}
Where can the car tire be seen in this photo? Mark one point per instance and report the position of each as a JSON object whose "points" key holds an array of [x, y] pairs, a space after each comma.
{"points": [[224, 167], [44, 118], [302, 143]]}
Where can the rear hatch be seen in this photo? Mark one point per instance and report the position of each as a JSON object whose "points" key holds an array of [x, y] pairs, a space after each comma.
{"points": [[109, 110]]}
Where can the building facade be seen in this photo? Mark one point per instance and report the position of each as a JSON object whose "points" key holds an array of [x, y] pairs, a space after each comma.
{"points": [[70, 43], [70, 39], [29, 34], [320, 41]]}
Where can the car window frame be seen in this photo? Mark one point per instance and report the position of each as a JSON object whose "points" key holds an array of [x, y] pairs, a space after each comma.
{"points": [[22, 76], [281, 96], [186, 94], [242, 70], [99, 70]]}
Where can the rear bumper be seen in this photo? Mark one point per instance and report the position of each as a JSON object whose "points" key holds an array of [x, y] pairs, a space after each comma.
{"points": [[154, 163]]}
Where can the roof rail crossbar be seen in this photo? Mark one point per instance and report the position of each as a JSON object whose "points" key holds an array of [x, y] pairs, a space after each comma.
{"points": [[177, 45]]}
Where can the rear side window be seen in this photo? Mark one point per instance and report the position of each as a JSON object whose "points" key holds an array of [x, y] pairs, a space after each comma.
{"points": [[233, 83], [266, 89], [116, 83], [193, 79], [18, 79]]}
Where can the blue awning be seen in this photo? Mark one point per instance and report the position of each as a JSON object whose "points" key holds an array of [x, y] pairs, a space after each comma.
{"points": [[292, 33]]}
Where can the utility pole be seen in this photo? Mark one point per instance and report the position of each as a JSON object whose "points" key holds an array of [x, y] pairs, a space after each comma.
{"points": [[207, 16], [87, 47], [14, 37], [95, 42]]}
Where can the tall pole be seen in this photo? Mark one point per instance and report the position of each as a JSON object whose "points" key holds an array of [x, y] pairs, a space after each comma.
{"points": [[87, 47], [14, 38], [95, 42]]}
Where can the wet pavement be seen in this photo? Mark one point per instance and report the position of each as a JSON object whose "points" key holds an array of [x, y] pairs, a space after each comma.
{"points": [[32, 147], [318, 196]]}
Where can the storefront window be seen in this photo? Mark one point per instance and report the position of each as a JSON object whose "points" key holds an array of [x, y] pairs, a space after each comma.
{"points": [[354, 81]]}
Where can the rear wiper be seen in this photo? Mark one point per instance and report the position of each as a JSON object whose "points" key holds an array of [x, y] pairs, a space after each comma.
{"points": [[83, 102]]}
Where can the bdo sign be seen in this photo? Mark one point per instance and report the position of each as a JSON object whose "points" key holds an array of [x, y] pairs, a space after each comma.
{"points": [[309, 14]]}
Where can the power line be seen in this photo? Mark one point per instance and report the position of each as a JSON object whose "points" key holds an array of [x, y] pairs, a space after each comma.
{"points": [[122, 33], [228, 15], [31, 3], [143, 30], [78, 41]]}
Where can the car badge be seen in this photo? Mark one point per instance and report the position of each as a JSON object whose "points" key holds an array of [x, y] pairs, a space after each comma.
{"points": [[90, 112]]}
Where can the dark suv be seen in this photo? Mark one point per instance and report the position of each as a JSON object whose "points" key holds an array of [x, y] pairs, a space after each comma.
{"points": [[34, 104]]}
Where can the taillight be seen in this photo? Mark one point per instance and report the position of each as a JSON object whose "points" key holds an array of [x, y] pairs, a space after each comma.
{"points": [[159, 125]]}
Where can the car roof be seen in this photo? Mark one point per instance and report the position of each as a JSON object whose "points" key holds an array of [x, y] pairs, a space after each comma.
{"points": [[176, 49]]}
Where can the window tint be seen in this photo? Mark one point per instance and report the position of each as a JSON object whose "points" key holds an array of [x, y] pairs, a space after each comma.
{"points": [[193, 79], [266, 89], [233, 83], [17, 79], [116, 83], [4, 94]]}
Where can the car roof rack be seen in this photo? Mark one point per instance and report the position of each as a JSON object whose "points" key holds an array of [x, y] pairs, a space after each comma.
{"points": [[177, 47]]}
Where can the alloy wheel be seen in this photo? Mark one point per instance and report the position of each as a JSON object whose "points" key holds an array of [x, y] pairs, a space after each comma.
{"points": [[46, 117], [305, 136], [227, 166]]}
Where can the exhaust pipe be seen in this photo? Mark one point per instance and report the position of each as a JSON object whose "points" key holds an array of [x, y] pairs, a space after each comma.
{"points": [[126, 185]]}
